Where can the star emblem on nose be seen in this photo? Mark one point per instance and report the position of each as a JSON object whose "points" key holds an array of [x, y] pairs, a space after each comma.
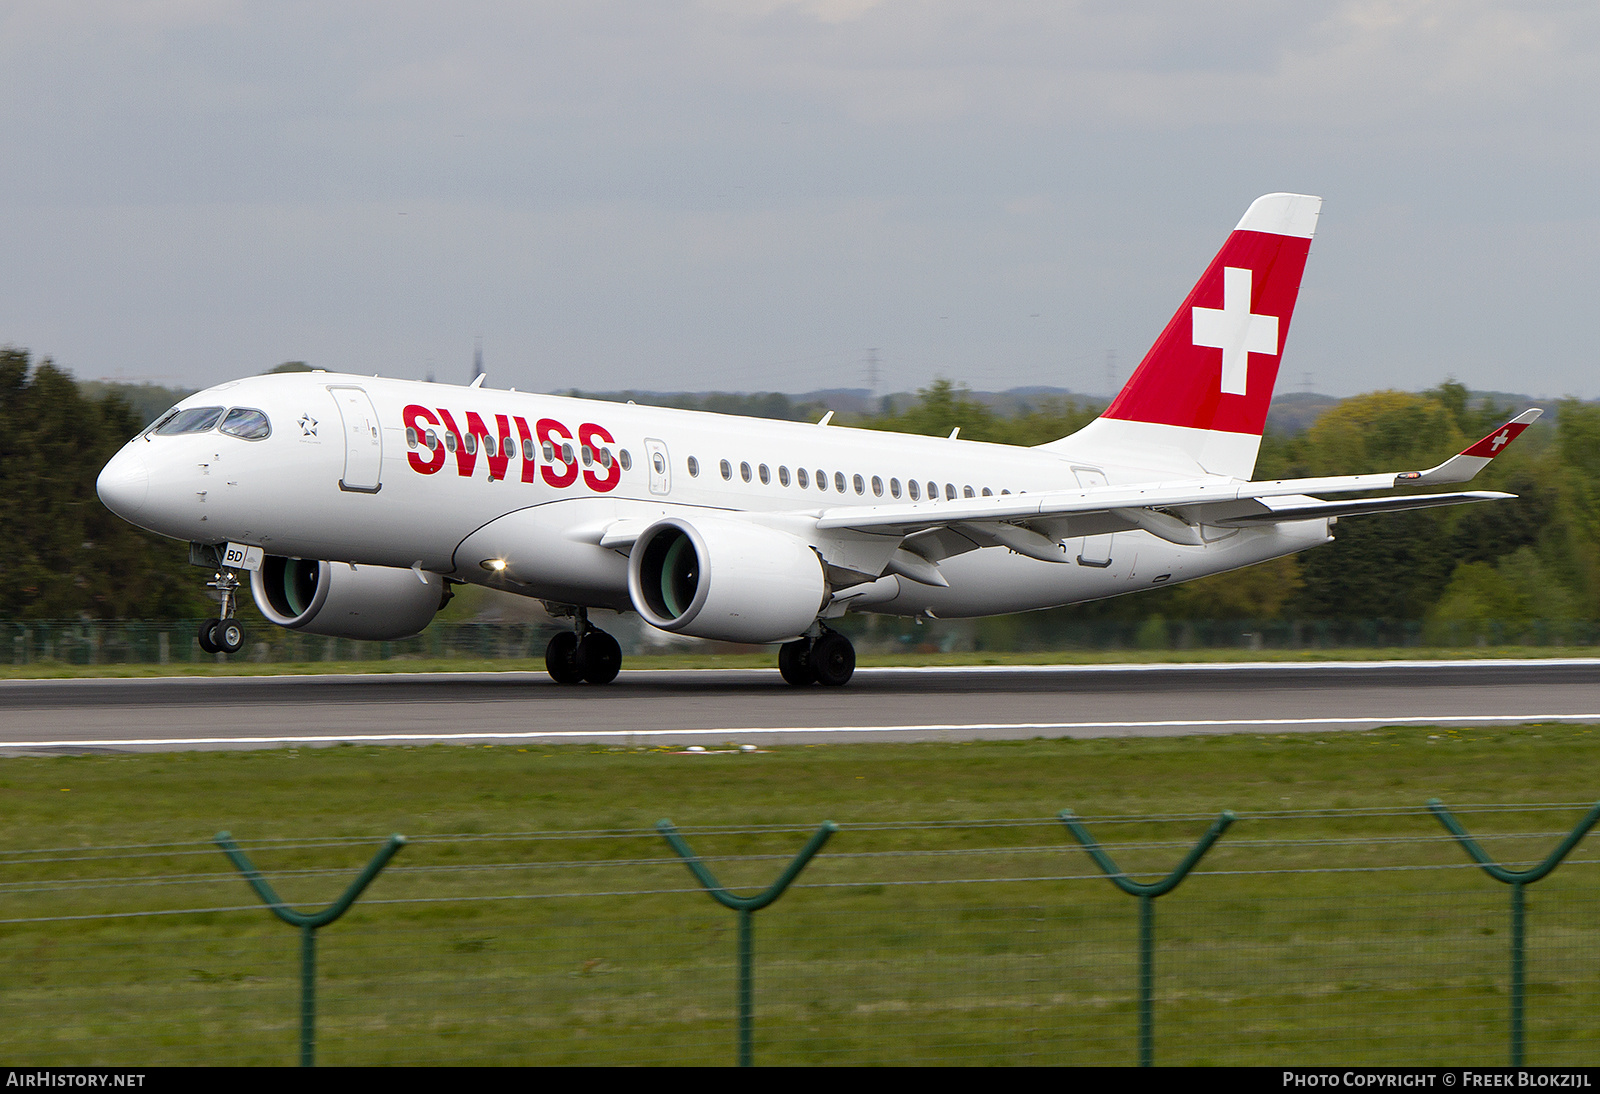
{"points": [[308, 426]]}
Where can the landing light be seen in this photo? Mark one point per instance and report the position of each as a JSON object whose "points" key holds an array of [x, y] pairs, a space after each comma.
{"points": [[493, 565]]}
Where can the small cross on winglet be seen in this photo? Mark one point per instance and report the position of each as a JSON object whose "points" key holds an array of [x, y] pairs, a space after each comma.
{"points": [[1469, 462]]}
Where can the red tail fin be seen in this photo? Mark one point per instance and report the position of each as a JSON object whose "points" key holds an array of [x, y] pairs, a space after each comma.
{"points": [[1216, 362]]}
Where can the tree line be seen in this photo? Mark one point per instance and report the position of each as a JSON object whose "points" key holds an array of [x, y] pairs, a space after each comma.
{"points": [[1511, 563]]}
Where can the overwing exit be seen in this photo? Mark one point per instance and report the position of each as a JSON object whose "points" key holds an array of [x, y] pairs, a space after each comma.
{"points": [[354, 503]]}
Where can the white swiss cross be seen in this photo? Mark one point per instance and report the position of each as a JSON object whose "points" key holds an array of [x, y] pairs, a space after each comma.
{"points": [[1235, 330], [1505, 435]]}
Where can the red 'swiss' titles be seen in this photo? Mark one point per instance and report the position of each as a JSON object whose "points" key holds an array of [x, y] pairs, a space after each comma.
{"points": [[510, 438]]}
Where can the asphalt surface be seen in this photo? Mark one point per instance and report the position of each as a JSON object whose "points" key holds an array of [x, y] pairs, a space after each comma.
{"points": [[648, 707]]}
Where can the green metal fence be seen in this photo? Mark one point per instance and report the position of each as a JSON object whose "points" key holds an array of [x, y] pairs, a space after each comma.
{"points": [[107, 642], [1308, 938]]}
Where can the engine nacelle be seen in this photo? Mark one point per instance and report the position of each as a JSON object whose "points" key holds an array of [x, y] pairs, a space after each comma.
{"points": [[346, 601], [725, 579]]}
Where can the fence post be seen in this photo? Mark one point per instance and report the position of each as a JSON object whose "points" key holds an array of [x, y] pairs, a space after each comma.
{"points": [[308, 924], [1516, 879], [746, 907], [1147, 894]]}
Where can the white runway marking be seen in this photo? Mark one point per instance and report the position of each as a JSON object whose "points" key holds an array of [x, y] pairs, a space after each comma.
{"points": [[1085, 728]]}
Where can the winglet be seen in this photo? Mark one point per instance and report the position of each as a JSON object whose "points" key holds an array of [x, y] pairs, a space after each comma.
{"points": [[1463, 466]]}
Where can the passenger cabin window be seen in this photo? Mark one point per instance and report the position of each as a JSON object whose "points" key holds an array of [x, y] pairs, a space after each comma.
{"points": [[783, 475], [694, 468], [914, 490], [549, 452], [860, 485], [727, 471], [744, 472], [933, 491], [450, 442], [196, 419], [877, 487], [967, 492], [801, 477], [838, 481], [949, 491], [252, 425], [411, 437], [822, 479], [471, 441], [626, 460], [894, 488]]}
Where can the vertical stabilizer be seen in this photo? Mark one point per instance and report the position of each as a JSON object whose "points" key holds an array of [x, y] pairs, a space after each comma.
{"points": [[1199, 399]]}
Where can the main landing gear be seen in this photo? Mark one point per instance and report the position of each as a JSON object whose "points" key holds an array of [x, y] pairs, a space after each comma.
{"points": [[223, 634], [583, 654], [827, 659]]}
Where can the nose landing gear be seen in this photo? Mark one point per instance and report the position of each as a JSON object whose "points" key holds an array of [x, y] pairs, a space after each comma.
{"points": [[828, 659], [583, 654], [223, 634]]}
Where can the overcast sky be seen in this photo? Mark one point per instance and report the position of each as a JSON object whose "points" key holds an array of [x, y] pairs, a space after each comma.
{"points": [[749, 194]]}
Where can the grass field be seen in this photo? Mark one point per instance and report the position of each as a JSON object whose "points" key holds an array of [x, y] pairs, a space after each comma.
{"points": [[536, 918]]}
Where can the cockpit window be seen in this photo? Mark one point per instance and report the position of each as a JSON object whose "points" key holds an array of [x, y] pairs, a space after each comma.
{"points": [[241, 421], [196, 419]]}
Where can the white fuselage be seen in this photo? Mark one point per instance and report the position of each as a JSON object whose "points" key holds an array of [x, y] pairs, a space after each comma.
{"points": [[346, 476]]}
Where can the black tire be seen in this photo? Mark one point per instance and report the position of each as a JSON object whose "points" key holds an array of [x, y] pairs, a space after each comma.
{"points": [[228, 636], [561, 658], [207, 636], [832, 659], [599, 658], [794, 663]]}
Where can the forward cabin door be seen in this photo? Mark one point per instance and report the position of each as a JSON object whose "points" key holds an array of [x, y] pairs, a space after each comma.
{"points": [[363, 440], [1094, 550]]}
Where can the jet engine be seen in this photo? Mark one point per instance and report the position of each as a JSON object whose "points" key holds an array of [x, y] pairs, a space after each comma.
{"points": [[343, 600], [725, 579]]}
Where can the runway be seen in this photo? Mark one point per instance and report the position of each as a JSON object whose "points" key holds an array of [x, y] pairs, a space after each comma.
{"points": [[716, 706]]}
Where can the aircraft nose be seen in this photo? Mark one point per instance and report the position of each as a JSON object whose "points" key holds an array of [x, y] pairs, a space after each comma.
{"points": [[124, 484]]}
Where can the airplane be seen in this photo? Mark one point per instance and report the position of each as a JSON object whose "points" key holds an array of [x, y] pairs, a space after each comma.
{"points": [[355, 503]]}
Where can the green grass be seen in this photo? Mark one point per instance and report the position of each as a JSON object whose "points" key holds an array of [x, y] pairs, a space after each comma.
{"points": [[53, 670], [893, 948]]}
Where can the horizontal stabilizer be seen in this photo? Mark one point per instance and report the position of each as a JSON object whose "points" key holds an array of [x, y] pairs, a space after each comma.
{"points": [[1322, 509]]}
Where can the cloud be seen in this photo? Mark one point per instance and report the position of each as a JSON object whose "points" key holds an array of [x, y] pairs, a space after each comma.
{"points": [[726, 180]]}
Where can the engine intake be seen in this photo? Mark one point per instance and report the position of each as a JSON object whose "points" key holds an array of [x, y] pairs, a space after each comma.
{"points": [[725, 579], [342, 600]]}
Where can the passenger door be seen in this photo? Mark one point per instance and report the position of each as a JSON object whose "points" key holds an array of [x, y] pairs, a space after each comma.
{"points": [[1093, 550], [363, 440]]}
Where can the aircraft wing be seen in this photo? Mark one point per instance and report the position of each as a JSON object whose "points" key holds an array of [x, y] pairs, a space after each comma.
{"points": [[1174, 510]]}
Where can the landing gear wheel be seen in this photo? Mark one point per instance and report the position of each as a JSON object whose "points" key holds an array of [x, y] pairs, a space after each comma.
{"points": [[598, 658], [794, 663], [207, 636], [228, 636], [561, 658], [832, 659]]}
